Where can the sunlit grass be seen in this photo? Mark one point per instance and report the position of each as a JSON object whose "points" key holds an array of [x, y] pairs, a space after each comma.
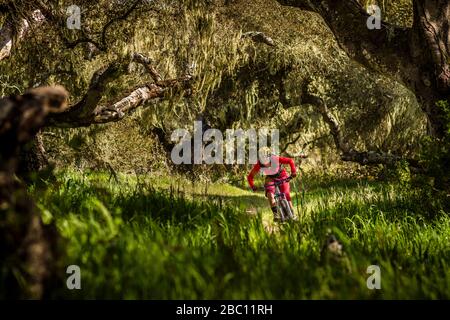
{"points": [[166, 237]]}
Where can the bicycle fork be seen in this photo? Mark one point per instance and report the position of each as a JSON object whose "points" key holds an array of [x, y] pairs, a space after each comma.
{"points": [[283, 208]]}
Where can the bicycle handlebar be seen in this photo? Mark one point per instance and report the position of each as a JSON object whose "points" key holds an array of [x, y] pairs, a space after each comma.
{"points": [[280, 182]]}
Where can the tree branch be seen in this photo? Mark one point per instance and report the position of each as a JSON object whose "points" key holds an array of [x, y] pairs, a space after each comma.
{"points": [[348, 153], [99, 81], [136, 98], [259, 37], [88, 111], [12, 33], [378, 49], [290, 143], [147, 63], [123, 16]]}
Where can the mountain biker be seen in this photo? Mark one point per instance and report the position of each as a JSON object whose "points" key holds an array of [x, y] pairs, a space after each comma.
{"points": [[271, 166]]}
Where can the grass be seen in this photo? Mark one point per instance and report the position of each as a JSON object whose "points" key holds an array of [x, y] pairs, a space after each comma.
{"points": [[166, 238]]}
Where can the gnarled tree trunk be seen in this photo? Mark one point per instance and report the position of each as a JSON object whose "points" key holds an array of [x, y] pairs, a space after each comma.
{"points": [[27, 246], [32, 158]]}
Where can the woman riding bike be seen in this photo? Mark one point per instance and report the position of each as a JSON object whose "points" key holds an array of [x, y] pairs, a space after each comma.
{"points": [[271, 166]]}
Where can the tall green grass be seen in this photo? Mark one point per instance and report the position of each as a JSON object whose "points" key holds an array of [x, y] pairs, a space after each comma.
{"points": [[152, 238]]}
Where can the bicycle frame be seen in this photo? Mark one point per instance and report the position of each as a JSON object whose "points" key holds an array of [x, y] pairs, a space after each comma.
{"points": [[278, 194], [280, 199]]}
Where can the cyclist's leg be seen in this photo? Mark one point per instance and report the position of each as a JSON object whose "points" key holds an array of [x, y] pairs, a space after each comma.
{"points": [[286, 189], [271, 198], [270, 191], [270, 194]]}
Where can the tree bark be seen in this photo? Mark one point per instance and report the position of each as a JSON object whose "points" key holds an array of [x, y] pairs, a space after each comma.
{"points": [[13, 32], [28, 249], [32, 158], [88, 110]]}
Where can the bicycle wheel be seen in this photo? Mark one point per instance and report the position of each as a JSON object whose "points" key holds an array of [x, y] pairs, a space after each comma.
{"points": [[279, 216], [285, 208]]}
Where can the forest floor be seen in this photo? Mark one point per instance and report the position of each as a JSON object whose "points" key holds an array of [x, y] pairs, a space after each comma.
{"points": [[162, 237]]}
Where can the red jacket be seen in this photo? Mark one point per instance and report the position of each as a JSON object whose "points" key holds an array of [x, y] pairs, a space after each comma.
{"points": [[276, 167]]}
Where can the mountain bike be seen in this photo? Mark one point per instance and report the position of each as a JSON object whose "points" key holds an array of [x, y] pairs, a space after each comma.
{"points": [[284, 209]]}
